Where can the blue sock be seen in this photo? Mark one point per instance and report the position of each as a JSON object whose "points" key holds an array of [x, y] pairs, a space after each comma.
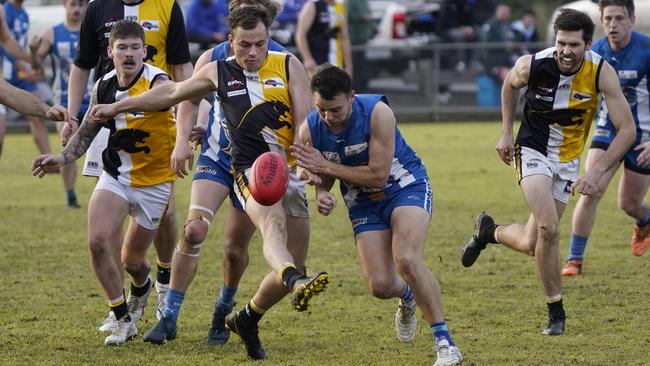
{"points": [[645, 220], [71, 195], [174, 302], [408, 293], [577, 246], [441, 332], [226, 298]]}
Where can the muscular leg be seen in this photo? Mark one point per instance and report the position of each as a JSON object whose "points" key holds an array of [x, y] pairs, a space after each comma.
{"points": [[165, 240], [134, 255], [106, 213], [409, 226], [272, 223], [377, 264], [239, 231], [631, 194], [584, 214], [39, 132]]}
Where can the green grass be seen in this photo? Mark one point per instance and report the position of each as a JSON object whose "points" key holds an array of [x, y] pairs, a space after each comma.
{"points": [[51, 303]]}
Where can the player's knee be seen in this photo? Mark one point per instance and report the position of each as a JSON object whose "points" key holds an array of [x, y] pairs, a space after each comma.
{"points": [[630, 207], [99, 246], [133, 267], [406, 266], [235, 254], [195, 231], [381, 288], [549, 232]]}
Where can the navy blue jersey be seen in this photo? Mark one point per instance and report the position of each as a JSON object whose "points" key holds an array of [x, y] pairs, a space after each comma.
{"points": [[64, 51], [350, 147], [632, 65]]}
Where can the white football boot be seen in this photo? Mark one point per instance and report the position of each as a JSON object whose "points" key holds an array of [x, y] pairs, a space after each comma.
{"points": [[161, 290], [136, 304], [406, 323], [109, 323], [447, 355], [123, 332]]}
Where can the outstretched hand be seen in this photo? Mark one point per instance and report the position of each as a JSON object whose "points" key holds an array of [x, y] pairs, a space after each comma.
{"points": [[101, 113], [308, 157], [58, 114], [48, 163]]}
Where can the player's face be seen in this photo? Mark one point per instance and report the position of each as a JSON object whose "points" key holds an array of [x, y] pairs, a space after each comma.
{"points": [[250, 46], [617, 24], [334, 112], [128, 55], [571, 50], [74, 9]]}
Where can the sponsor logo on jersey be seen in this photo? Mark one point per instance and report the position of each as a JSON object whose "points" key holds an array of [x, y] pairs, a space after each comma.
{"points": [[237, 92], [564, 86], [581, 96], [627, 74], [531, 165], [359, 221], [602, 132], [355, 149], [235, 84], [133, 18], [206, 170], [92, 164], [273, 83], [332, 156], [253, 77], [151, 25], [544, 98]]}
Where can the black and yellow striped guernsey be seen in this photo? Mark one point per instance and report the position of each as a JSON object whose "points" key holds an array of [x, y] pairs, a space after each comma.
{"points": [[257, 108], [140, 144], [559, 108]]}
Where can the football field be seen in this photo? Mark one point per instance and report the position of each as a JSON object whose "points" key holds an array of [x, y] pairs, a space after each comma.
{"points": [[51, 303]]}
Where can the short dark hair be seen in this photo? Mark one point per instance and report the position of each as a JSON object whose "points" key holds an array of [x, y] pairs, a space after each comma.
{"points": [[330, 81], [570, 20], [247, 17], [125, 29], [627, 4], [271, 6]]}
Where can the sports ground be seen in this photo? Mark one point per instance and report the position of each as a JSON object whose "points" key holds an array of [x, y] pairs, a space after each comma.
{"points": [[52, 304]]}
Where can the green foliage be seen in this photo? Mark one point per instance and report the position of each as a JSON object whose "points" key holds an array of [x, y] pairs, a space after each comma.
{"points": [[52, 303]]}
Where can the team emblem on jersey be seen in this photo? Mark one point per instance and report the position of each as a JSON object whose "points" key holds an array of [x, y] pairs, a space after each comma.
{"points": [[152, 51], [151, 25], [273, 83], [127, 140], [273, 114], [627, 74]]}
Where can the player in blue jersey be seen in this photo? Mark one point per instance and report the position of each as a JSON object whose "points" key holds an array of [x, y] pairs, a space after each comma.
{"points": [[60, 42], [629, 53], [19, 73], [211, 185], [354, 138]]}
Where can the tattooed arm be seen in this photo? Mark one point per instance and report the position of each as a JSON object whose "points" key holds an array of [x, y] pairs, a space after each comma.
{"points": [[76, 147]]}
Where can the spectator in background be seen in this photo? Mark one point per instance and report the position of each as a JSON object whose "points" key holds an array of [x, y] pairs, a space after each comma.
{"points": [[361, 29], [460, 21], [206, 22], [525, 30], [498, 61], [284, 26], [322, 35]]}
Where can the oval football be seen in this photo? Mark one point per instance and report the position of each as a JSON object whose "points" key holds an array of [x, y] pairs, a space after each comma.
{"points": [[269, 178]]}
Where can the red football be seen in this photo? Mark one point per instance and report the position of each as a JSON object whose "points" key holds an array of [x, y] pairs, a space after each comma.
{"points": [[269, 178]]}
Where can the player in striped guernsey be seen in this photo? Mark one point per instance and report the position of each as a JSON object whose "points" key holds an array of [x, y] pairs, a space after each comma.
{"points": [[60, 42], [561, 100], [211, 185], [137, 179], [629, 53], [264, 96]]}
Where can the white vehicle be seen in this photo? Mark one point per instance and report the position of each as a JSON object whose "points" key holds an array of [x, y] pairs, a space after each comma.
{"points": [[590, 7]]}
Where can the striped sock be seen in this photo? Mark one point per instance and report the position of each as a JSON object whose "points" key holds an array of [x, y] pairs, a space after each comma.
{"points": [[173, 306], [577, 246], [407, 295], [441, 332], [119, 308]]}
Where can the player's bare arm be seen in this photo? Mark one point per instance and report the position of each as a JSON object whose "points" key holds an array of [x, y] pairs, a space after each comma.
{"points": [[164, 96], [619, 113], [40, 47], [26, 103], [516, 79], [305, 20], [381, 148]]}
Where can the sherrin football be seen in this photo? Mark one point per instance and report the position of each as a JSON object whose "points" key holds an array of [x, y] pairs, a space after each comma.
{"points": [[269, 178]]}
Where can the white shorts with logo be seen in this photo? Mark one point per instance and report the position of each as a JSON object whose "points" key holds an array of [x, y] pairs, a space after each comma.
{"points": [[93, 166], [147, 205], [294, 201], [531, 162]]}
